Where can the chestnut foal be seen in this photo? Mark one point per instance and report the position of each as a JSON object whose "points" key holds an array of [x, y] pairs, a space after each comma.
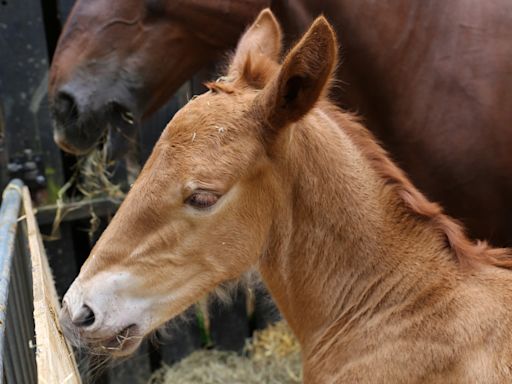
{"points": [[263, 171]]}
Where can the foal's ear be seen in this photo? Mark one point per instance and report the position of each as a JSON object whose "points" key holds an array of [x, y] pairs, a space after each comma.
{"points": [[303, 77], [261, 41]]}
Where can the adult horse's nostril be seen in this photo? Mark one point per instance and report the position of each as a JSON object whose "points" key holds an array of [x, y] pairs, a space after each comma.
{"points": [[84, 317], [65, 108]]}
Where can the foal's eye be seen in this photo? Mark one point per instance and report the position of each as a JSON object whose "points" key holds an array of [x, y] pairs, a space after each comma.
{"points": [[202, 199]]}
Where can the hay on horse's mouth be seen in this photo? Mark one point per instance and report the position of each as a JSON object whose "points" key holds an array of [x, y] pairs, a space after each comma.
{"points": [[92, 179]]}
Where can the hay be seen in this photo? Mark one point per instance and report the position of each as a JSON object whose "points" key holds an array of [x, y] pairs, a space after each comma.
{"points": [[92, 179], [277, 341], [272, 357], [94, 176]]}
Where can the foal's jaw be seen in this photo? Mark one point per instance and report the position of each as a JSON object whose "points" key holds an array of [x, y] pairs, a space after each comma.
{"points": [[113, 310]]}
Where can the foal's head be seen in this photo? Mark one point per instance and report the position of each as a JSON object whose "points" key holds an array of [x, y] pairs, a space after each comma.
{"points": [[203, 208]]}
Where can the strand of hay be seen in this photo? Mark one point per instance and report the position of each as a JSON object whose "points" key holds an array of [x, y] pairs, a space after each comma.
{"points": [[272, 357], [92, 179]]}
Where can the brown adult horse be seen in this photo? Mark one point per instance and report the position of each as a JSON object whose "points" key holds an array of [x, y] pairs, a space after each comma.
{"points": [[431, 78], [376, 282]]}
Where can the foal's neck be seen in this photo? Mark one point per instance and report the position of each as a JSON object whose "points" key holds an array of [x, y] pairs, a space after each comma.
{"points": [[345, 247]]}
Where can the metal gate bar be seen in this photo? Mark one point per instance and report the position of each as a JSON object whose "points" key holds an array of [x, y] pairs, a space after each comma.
{"points": [[17, 357]]}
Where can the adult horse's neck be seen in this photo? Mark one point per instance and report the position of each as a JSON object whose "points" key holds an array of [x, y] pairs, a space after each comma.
{"points": [[219, 23], [344, 247]]}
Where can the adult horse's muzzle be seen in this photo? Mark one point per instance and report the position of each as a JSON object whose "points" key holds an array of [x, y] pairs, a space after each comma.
{"points": [[79, 127], [74, 130]]}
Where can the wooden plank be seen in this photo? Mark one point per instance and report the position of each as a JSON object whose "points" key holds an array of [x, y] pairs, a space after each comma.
{"points": [[102, 207], [55, 359]]}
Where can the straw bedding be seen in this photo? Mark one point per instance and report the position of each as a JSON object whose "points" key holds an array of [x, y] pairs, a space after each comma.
{"points": [[272, 356]]}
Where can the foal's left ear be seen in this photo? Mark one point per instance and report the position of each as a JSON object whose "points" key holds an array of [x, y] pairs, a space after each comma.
{"points": [[258, 47], [303, 77]]}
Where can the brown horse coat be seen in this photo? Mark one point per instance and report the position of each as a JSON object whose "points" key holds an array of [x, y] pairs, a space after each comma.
{"points": [[378, 284], [432, 80]]}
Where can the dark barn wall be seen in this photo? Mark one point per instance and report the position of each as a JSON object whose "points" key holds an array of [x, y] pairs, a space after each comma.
{"points": [[23, 84]]}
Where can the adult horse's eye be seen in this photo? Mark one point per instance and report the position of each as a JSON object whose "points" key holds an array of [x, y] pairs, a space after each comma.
{"points": [[202, 199]]}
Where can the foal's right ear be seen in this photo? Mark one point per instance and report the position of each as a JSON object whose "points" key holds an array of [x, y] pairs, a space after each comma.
{"points": [[303, 77]]}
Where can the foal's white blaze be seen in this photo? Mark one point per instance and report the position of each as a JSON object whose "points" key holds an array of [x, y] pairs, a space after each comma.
{"points": [[112, 298], [122, 309]]}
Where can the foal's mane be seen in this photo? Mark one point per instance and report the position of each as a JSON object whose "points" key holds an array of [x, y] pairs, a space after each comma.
{"points": [[466, 252]]}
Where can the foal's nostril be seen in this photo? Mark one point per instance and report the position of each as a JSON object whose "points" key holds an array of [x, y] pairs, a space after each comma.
{"points": [[65, 107], [84, 317]]}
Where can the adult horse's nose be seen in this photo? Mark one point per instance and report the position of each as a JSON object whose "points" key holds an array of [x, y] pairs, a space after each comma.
{"points": [[75, 128], [65, 109]]}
